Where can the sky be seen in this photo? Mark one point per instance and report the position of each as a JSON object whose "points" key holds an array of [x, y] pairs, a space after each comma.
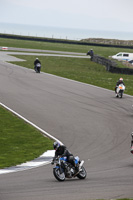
{"points": [[110, 15]]}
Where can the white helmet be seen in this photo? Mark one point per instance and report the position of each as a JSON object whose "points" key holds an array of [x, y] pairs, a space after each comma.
{"points": [[121, 79]]}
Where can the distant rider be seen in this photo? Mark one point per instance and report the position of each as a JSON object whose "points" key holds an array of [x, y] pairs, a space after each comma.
{"points": [[61, 150], [36, 62], [120, 81]]}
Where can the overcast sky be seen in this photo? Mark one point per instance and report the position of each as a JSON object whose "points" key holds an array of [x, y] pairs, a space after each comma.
{"points": [[114, 15]]}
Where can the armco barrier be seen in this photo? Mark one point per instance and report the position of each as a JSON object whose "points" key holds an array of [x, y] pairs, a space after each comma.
{"points": [[120, 70], [111, 65], [54, 40]]}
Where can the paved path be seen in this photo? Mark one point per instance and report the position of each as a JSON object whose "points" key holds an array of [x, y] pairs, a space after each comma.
{"points": [[10, 56], [43, 51]]}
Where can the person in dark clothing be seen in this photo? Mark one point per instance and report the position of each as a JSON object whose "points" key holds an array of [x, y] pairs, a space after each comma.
{"points": [[61, 150], [88, 53], [120, 81], [91, 54], [35, 62]]}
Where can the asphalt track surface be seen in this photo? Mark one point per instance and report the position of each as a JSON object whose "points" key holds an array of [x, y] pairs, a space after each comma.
{"points": [[89, 120]]}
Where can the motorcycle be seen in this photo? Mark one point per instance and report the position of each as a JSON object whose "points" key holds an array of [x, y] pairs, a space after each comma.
{"points": [[131, 150], [37, 68], [63, 169], [120, 90]]}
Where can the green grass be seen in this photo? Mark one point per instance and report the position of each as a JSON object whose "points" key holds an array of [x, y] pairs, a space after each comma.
{"points": [[19, 142], [102, 51], [79, 69]]}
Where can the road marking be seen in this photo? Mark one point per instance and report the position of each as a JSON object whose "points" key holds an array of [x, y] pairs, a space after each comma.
{"points": [[44, 159]]}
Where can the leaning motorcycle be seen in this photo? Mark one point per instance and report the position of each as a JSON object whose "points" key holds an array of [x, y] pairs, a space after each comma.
{"points": [[37, 68], [63, 169], [131, 150], [120, 90]]}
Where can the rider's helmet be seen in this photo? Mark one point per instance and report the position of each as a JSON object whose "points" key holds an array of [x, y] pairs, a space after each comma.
{"points": [[132, 134], [36, 58], [56, 145], [121, 79]]}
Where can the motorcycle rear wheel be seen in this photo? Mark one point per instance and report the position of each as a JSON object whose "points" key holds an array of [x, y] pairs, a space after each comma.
{"points": [[59, 176], [82, 174], [38, 70]]}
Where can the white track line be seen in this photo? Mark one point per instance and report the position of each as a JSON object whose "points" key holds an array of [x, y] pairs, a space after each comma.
{"points": [[44, 159]]}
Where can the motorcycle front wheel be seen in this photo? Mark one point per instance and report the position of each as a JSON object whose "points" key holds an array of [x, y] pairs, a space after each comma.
{"points": [[59, 176], [121, 94], [82, 174]]}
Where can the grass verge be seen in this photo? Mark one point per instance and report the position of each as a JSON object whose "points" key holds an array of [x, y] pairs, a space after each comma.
{"points": [[19, 142], [101, 51]]}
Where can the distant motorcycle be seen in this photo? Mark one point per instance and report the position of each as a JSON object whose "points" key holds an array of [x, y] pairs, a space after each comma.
{"points": [[120, 90], [131, 150], [37, 68], [63, 169]]}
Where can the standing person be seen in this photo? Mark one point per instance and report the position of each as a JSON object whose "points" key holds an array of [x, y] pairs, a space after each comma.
{"points": [[91, 54], [36, 62]]}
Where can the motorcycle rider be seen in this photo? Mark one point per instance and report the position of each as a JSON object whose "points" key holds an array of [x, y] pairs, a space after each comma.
{"points": [[36, 62], [61, 150], [120, 81]]}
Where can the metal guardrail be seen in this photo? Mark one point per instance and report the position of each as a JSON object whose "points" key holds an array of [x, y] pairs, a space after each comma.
{"points": [[104, 61], [111, 65]]}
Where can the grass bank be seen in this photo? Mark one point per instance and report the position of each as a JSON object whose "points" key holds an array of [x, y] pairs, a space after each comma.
{"points": [[19, 142], [102, 51]]}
